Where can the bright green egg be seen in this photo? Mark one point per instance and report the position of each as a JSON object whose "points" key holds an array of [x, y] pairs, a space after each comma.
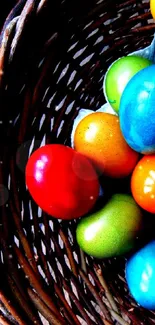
{"points": [[119, 74], [112, 230]]}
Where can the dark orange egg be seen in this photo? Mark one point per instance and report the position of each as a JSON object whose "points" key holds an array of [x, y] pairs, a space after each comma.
{"points": [[143, 183]]}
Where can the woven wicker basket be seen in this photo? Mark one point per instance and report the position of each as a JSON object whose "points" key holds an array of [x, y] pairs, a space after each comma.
{"points": [[53, 58]]}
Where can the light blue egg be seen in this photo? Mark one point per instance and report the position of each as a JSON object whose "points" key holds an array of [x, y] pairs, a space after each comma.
{"points": [[137, 111], [140, 276]]}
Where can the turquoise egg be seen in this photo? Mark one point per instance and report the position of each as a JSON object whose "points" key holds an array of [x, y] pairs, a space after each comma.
{"points": [[137, 111], [140, 276]]}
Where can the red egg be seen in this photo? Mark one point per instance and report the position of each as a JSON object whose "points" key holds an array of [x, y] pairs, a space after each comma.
{"points": [[62, 181]]}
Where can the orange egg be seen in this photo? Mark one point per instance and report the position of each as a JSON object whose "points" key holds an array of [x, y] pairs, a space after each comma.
{"points": [[152, 7], [98, 137]]}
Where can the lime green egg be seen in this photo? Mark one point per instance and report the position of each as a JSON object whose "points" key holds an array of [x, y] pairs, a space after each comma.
{"points": [[119, 74], [112, 230]]}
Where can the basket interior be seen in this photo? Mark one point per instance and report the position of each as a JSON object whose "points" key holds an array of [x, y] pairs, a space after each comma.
{"points": [[54, 55]]}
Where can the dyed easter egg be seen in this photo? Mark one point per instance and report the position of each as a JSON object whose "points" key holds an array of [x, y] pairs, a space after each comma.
{"points": [[99, 138], [152, 8], [112, 230], [106, 108], [61, 181], [143, 183], [140, 276], [119, 74], [137, 111]]}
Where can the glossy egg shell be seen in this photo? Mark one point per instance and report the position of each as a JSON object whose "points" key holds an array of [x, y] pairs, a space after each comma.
{"points": [[140, 276], [137, 111], [99, 138], [112, 230], [119, 74], [62, 181], [143, 183]]}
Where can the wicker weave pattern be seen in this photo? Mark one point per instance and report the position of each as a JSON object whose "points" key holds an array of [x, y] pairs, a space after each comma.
{"points": [[53, 58]]}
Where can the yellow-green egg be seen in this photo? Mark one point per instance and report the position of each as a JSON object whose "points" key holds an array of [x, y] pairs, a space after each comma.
{"points": [[118, 76], [112, 230]]}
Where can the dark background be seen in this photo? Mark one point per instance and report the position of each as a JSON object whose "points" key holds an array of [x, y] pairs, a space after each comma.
{"points": [[5, 7]]}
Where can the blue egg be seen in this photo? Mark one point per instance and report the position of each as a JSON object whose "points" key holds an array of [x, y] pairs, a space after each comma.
{"points": [[137, 111], [140, 276]]}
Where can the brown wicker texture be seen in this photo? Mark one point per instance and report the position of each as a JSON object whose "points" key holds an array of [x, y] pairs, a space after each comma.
{"points": [[53, 58]]}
